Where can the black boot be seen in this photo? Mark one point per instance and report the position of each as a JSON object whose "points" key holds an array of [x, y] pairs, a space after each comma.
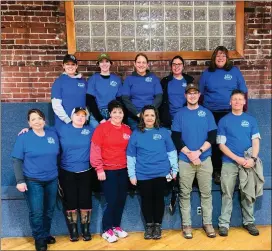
{"points": [[149, 228], [40, 245], [85, 216], [157, 231], [72, 224]]}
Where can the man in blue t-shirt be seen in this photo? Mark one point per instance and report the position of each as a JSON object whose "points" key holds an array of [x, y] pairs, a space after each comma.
{"points": [[193, 132], [237, 133]]}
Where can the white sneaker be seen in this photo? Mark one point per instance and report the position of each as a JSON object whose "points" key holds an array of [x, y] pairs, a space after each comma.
{"points": [[119, 232], [109, 236]]}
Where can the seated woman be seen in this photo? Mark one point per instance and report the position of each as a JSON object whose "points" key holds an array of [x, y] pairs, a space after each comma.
{"points": [[173, 87], [108, 157], [35, 166], [152, 159], [140, 89], [103, 87]]}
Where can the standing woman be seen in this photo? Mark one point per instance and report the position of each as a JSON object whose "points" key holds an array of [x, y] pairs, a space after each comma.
{"points": [[68, 91], [216, 85], [173, 87], [140, 89], [151, 158], [108, 157], [75, 173], [103, 87], [35, 166]]}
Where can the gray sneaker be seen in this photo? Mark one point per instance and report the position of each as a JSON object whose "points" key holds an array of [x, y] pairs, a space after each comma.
{"points": [[251, 228], [223, 231], [187, 232]]}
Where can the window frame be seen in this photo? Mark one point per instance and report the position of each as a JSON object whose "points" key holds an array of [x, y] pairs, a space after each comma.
{"points": [[163, 55]]}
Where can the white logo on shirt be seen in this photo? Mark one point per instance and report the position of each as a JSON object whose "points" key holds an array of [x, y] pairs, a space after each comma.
{"points": [[244, 123], [184, 84], [80, 84], [50, 140], [157, 136], [148, 79], [201, 113], [85, 132], [228, 77], [113, 83], [126, 136]]}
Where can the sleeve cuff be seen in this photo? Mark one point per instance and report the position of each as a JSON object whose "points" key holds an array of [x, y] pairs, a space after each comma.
{"points": [[221, 139], [67, 120]]}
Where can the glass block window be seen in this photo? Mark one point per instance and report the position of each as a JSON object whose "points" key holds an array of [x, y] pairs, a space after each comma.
{"points": [[154, 26]]}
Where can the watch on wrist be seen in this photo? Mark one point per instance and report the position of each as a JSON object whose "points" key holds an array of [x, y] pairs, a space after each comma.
{"points": [[201, 150], [255, 159]]}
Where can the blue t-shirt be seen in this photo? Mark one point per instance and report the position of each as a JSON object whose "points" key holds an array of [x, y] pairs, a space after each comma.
{"points": [[104, 89], [150, 149], [75, 145], [141, 89], [217, 86], [39, 154], [176, 90], [194, 126], [72, 92], [237, 132]]}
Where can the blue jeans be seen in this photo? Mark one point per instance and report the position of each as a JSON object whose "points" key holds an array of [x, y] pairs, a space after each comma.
{"points": [[41, 199], [115, 191], [105, 114]]}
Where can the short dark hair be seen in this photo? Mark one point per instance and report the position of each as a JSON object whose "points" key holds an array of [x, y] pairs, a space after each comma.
{"points": [[228, 64], [141, 124], [237, 91], [141, 54], [177, 57], [115, 104], [37, 111]]}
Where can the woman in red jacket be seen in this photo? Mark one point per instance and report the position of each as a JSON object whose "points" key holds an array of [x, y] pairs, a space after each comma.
{"points": [[108, 157]]}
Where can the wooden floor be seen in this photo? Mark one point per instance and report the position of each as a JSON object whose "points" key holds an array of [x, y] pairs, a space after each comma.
{"points": [[238, 239]]}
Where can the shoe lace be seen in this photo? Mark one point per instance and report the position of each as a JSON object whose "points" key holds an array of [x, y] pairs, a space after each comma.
{"points": [[110, 232], [119, 229]]}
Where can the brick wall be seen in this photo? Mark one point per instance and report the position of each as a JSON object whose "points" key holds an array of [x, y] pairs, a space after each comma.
{"points": [[33, 42]]}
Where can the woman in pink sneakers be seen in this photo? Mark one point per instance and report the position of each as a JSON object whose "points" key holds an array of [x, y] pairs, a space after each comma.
{"points": [[108, 157]]}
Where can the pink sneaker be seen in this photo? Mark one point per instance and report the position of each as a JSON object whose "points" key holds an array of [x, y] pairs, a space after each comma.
{"points": [[119, 232], [109, 236]]}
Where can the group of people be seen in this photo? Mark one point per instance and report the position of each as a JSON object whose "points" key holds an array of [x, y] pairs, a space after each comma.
{"points": [[166, 132]]}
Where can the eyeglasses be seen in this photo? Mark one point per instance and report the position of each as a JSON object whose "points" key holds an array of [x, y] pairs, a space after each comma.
{"points": [[177, 65]]}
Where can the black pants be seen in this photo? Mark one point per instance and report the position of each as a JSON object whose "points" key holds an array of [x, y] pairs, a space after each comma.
{"points": [[115, 191], [77, 192], [152, 196], [216, 152]]}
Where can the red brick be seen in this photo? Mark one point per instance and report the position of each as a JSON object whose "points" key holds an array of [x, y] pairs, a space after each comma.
{"points": [[28, 68], [46, 21], [20, 85], [38, 30], [10, 90], [6, 96], [20, 95]]}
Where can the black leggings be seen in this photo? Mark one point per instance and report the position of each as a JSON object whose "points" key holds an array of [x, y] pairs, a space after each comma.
{"points": [[76, 187], [152, 196], [216, 152]]}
